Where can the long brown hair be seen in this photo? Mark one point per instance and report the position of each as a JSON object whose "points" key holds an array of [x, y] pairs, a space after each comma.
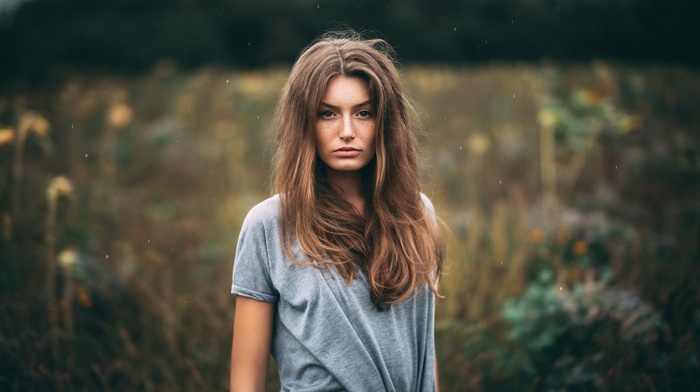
{"points": [[396, 244]]}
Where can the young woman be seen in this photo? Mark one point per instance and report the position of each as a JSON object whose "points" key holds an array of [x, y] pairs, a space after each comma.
{"points": [[336, 275]]}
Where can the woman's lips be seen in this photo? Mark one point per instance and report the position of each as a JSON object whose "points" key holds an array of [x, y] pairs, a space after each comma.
{"points": [[346, 152]]}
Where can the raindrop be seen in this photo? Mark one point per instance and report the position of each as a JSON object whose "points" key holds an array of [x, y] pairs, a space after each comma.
{"points": [[511, 21], [71, 125], [248, 43], [106, 256], [460, 147], [499, 181], [318, 6], [560, 288], [149, 241], [258, 117], [226, 80], [86, 155], [455, 29], [486, 42], [513, 95]]}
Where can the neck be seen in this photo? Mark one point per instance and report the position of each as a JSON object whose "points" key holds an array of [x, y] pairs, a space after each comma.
{"points": [[349, 185]]}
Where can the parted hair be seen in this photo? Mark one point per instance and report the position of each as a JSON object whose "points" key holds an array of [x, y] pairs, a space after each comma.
{"points": [[396, 243]]}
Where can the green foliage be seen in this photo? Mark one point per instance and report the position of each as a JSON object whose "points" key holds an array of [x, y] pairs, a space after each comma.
{"points": [[581, 118], [537, 316], [573, 339]]}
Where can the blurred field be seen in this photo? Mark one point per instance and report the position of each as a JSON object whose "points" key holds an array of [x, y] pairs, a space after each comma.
{"points": [[569, 195]]}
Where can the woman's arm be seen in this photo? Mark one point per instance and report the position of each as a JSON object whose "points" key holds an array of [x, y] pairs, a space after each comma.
{"points": [[250, 352], [437, 379]]}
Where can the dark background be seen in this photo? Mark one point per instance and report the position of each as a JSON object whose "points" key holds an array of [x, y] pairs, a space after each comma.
{"points": [[42, 36]]}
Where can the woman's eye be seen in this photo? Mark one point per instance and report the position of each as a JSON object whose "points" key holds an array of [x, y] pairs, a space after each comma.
{"points": [[365, 113], [326, 114]]}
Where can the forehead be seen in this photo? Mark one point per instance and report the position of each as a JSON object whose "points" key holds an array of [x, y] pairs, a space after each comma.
{"points": [[346, 90]]}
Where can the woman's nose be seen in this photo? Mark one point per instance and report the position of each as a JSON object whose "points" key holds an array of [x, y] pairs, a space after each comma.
{"points": [[347, 132]]}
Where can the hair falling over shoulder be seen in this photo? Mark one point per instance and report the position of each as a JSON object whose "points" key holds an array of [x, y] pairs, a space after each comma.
{"points": [[396, 244]]}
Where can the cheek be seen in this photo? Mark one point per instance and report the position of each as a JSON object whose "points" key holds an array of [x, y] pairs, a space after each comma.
{"points": [[372, 135], [321, 138], [318, 132]]}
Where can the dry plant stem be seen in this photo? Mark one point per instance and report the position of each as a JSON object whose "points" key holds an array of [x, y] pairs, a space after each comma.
{"points": [[29, 122], [68, 290], [170, 316], [514, 276], [475, 175], [492, 255], [103, 202], [499, 234], [51, 274], [18, 174], [100, 375], [548, 172], [470, 267], [68, 320], [108, 154]]}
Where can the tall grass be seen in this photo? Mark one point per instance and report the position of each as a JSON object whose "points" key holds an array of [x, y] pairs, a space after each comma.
{"points": [[557, 186]]}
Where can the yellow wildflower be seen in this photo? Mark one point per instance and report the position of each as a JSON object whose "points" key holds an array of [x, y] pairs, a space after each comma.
{"points": [[68, 257], [7, 136], [546, 118], [120, 115], [32, 121], [478, 143], [59, 186]]}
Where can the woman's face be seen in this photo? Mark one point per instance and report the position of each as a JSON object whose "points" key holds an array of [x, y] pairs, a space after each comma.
{"points": [[346, 125]]}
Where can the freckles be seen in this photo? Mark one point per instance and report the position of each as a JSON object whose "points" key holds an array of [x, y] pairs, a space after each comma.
{"points": [[369, 128], [322, 129]]}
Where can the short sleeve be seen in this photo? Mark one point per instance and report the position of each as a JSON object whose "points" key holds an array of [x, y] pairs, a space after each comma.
{"points": [[251, 266]]}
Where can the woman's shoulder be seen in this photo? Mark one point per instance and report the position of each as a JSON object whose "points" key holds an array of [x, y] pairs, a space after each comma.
{"points": [[427, 203], [263, 212]]}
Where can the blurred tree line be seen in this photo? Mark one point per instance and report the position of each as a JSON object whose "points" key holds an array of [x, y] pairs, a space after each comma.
{"points": [[42, 36]]}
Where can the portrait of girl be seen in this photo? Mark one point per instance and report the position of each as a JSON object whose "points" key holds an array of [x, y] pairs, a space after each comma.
{"points": [[336, 274]]}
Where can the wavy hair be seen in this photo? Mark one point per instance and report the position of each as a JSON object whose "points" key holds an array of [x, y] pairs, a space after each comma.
{"points": [[396, 244]]}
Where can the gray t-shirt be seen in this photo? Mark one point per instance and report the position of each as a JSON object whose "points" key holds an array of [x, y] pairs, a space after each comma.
{"points": [[327, 336]]}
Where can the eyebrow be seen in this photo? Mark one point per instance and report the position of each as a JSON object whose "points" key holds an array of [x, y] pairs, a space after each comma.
{"points": [[355, 106]]}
